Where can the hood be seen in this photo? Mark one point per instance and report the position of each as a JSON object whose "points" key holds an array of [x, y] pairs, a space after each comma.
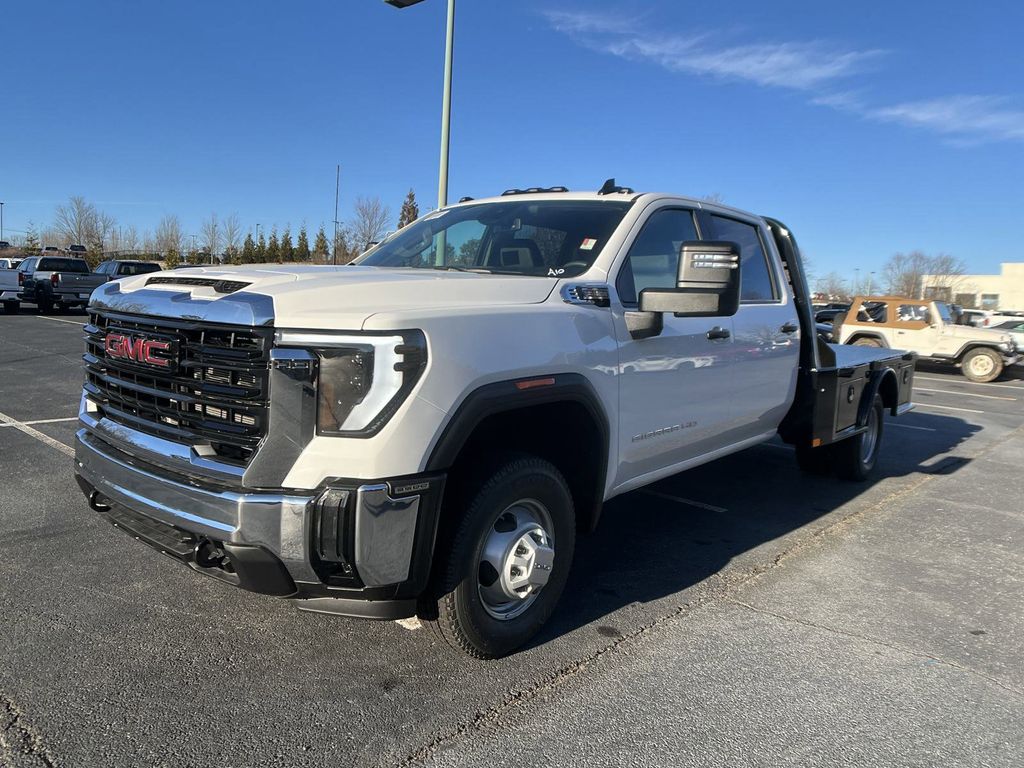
{"points": [[313, 297], [969, 332]]}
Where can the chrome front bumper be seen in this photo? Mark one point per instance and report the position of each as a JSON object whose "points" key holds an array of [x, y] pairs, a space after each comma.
{"points": [[276, 522], [392, 522]]}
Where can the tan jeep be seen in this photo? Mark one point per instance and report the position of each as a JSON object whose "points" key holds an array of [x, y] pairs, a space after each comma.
{"points": [[927, 328]]}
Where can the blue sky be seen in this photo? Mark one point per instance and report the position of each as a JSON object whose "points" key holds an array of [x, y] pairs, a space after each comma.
{"points": [[868, 128]]}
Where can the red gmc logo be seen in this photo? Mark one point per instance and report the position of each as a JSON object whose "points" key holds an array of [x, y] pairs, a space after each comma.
{"points": [[138, 350]]}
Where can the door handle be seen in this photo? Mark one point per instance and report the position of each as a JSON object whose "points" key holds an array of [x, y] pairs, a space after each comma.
{"points": [[790, 327], [718, 332]]}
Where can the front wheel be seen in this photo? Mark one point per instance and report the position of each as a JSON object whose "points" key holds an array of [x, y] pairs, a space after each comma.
{"points": [[508, 560], [982, 365], [854, 458], [11, 307]]}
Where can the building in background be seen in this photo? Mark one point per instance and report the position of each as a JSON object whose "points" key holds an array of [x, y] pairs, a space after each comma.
{"points": [[1002, 291]]}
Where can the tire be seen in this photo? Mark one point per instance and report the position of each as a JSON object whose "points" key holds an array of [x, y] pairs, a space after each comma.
{"points": [[525, 504], [11, 307], [813, 461], [864, 341], [854, 458], [981, 365]]}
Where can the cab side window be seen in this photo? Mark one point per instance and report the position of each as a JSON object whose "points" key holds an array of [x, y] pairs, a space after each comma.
{"points": [[653, 259], [756, 282], [911, 313]]}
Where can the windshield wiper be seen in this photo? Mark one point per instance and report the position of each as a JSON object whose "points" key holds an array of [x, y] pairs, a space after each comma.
{"points": [[481, 270]]}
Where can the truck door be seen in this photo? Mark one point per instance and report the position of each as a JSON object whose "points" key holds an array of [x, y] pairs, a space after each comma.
{"points": [[676, 389], [766, 331]]}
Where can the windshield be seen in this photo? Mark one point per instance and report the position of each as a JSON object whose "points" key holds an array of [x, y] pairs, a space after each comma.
{"points": [[556, 238], [944, 312]]}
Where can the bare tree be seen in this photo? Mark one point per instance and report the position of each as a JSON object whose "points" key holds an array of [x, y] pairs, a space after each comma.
{"points": [[168, 235], [232, 234], [77, 221], [945, 275], [903, 272], [104, 227], [211, 234], [369, 222], [833, 286], [130, 238]]}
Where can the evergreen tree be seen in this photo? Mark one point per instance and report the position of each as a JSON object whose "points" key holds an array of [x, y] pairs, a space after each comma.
{"points": [[321, 248], [172, 259], [32, 239], [248, 250], [273, 247], [410, 210], [261, 249], [287, 249], [302, 245]]}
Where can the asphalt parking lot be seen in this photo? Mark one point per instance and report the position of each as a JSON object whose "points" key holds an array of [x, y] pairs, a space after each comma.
{"points": [[737, 614]]}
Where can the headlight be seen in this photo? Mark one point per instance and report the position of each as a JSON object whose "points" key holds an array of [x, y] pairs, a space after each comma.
{"points": [[363, 379]]}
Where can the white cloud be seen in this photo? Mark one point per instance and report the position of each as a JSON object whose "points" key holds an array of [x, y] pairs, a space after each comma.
{"points": [[969, 118], [589, 22], [796, 65], [817, 68]]}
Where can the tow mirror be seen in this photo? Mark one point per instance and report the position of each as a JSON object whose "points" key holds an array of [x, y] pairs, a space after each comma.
{"points": [[707, 283]]}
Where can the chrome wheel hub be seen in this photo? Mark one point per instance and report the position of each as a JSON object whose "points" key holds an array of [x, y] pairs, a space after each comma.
{"points": [[516, 559]]}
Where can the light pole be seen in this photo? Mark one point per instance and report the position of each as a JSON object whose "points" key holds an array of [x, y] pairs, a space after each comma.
{"points": [[446, 102], [1, 221]]}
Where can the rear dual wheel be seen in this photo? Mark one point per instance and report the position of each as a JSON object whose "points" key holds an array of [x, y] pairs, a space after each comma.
{"points": [[853, 458], [508, 560]]}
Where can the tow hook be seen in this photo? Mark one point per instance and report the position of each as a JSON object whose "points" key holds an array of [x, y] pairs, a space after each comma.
{"points": [[97, 502], [209, 555]]}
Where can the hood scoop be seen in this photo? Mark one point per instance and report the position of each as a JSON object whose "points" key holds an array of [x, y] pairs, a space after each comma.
{"points": [[218, 285]]}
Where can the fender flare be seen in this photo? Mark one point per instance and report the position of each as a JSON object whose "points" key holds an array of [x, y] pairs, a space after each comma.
{"points": [[968, 346], [505, 396], [867, 334], [873, 388]]}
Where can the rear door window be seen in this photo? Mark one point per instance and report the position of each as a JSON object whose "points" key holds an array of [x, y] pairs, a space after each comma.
{"points": [[756, 283]]}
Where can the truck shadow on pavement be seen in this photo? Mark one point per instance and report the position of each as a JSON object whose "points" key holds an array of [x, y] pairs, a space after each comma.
{"points": [[648, 545]]}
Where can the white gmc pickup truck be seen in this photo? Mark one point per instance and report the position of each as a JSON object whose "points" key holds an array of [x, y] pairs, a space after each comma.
{"points": [[425, 432]]}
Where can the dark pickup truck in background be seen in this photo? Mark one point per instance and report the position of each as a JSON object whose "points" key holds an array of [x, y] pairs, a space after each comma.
{"points": [[55, 282], [116, 269]]}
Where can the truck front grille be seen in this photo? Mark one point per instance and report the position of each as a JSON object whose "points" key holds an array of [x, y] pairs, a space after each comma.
{"points": [[212, 393]]}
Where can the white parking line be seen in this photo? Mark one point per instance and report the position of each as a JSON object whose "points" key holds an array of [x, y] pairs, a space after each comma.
{"points": [[681, 500], [909, 426], [963, 394], [946, 407], [918, 377], [40, 421], [58, 320], [66, 449]]}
